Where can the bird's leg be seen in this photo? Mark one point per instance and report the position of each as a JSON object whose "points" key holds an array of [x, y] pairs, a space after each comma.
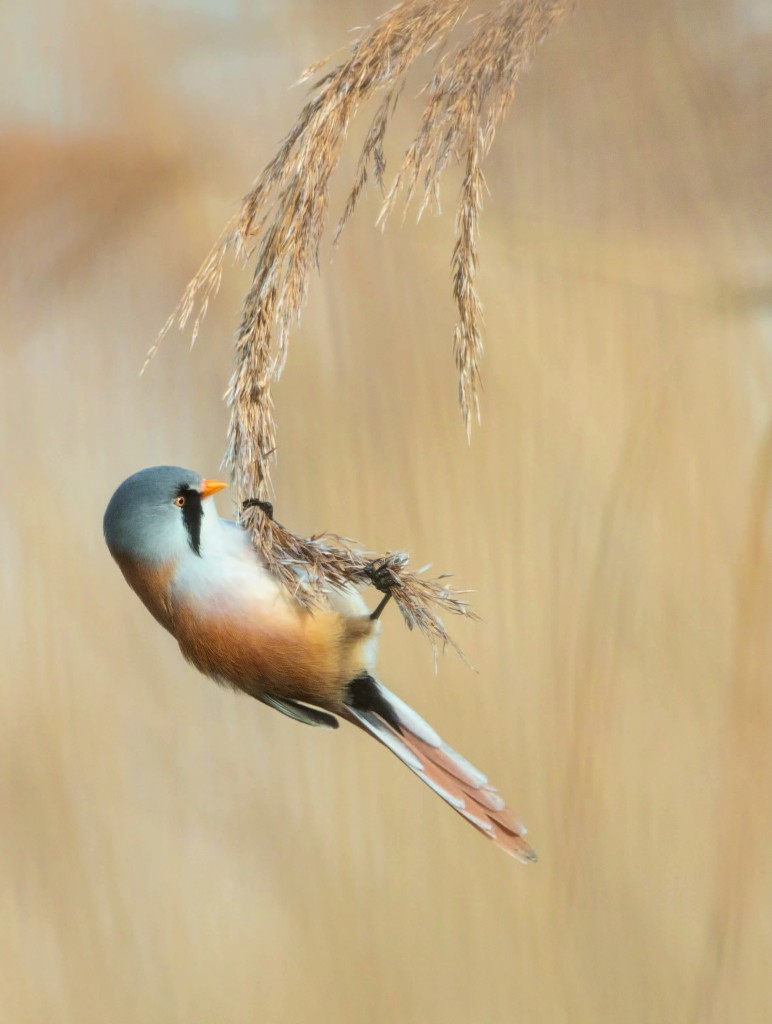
{"points": [[375, 615], [382, 578]]}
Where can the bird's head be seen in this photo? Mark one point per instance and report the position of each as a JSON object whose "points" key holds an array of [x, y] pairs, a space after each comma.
{"points": [[158, 514]]}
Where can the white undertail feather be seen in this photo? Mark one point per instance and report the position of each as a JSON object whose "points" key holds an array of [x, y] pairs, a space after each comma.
{"points": [[450, 775]]}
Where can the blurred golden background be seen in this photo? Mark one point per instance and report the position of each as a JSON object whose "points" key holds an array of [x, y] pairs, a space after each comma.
{"points": [[172, 852]]}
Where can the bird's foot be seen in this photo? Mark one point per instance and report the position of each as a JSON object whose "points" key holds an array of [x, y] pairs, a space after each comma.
{"points": [[264, 506], [383, 578]]}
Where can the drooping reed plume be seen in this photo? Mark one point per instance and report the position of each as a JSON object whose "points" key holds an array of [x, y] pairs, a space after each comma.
{"points": [[281, 221]]}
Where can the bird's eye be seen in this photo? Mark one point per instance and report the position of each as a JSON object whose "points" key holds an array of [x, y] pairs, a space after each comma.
{"points": [[180, 501]]}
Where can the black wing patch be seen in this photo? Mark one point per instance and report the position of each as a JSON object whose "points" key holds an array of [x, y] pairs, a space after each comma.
{"points": [[300, 712]]}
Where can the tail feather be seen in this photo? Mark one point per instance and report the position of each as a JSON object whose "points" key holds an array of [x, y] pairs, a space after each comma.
{"points": [[464, 787]]}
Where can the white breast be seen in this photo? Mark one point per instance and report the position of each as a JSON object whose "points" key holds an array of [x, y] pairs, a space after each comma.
{"points": [[228, 575]]}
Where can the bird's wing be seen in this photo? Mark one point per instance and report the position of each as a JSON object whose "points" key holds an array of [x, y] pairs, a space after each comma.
{"points": [[300, 712]]}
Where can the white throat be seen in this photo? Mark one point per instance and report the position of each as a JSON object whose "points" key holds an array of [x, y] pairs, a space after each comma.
{"points": [[227, 572]]}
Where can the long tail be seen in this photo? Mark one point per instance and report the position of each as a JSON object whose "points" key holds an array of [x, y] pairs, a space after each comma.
{"points": [[381, 713]]}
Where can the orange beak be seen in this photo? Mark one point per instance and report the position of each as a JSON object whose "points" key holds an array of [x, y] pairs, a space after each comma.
{"points": [[210, 487]]}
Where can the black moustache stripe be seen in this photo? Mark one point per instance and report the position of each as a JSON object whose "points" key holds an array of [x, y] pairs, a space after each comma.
{"points": [[192, 514]]}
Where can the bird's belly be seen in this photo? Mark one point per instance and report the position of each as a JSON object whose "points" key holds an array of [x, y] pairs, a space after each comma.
{"points": [[274, 646]]}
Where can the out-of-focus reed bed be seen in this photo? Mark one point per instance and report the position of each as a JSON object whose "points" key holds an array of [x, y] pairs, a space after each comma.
{"points": [[173, 853]]}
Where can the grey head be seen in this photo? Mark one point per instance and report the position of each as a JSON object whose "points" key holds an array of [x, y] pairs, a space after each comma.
{"points": [[155, 515]]}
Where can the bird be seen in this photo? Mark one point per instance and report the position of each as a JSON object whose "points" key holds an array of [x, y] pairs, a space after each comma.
{"points": [[204, 581]]}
